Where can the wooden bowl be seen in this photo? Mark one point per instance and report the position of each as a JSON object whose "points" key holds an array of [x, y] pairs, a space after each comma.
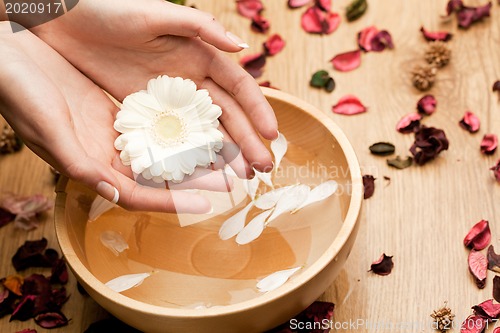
{"points": [[316, 239]]}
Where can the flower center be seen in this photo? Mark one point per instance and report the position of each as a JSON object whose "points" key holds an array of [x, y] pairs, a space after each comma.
{"points": [[168, 128]]}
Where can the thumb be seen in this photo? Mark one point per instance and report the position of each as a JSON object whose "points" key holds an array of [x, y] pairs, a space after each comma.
{"points": [[170, 19]]}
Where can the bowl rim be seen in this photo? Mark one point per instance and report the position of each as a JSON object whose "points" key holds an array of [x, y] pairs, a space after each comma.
{"points": [[347, 228]]}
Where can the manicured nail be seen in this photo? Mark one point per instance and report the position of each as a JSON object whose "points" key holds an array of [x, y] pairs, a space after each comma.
{"points": [[108, 191], [237, 40], [210, 211]]}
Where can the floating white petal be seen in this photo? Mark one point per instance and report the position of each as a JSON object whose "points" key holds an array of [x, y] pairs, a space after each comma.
{"points": [[291, 199], [320, 192], [279, 148], [233, 225], [126, 282], [253, 229], [251, 186], [113, 241], [99, 206], [268, 200], [276, 279], [265, 177]]}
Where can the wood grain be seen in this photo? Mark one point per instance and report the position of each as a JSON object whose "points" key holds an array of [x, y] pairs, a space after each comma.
{"points": [[421, 216]]}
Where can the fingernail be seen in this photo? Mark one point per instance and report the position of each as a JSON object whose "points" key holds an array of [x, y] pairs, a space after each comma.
{"points": [[210, 211], [108, 191], [237, 40]]}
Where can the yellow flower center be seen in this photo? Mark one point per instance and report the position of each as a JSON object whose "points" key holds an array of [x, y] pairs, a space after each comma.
{"points": [[168, 128]]}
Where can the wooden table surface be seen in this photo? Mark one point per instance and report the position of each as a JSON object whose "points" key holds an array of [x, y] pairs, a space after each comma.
{"points": [[420, 217]]}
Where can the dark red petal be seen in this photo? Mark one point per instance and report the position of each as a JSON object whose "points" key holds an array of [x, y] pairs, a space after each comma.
{"points": [[58, 298], [496, 86], [474, 324], [409, 123], [479, 236], [347, 61], [465, 17], [38, 285], [368, 185], [30, 254], [429, 142], [496, 170], [454, 6], [489, 144], [496, 290], [297, 3], [318, 22], [51, 256], [25, 309], [51, 320], [315, 314], [381, 40], [273, 45], [349, 105], [6, 217], [470, 122], [482, 11], [431, 36], [493, 259], [249, 8], [487, 309], [427, 104], [478, 267], [254, 64], [365, 38], [59, 272], [27, 330], [260, 24], [382, 266], [332, 22], [324, 5]]}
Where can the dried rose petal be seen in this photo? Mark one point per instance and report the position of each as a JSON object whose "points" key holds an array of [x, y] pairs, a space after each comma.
{"points": [[349, 105], [496, 86], [314, 20], [292, 4], [254, 64], [324, 5], [51, 256], [431, 36], [6, 217], [369, 186], [469, 15], [249, 8], [496, 170], [489, 144], [38, 285], [59, 272], [13, 283], [25, 309], [347, 61], [473, 324], [496, 289], [366, 36], [30, 254], [260, 24], [27, 330], [57, 299], [478, 267], [382, 266], [497, 329], [479, 236], [493, 259], [409, 123], [26, 209], [381, 41], [316, 313], [470, 122], [51, 320], [427, 104], [454, 6], [429, 142], [274, 45], [487, 309], [268, 85]]}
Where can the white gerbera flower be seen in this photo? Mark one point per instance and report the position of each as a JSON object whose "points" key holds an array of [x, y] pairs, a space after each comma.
{"points": [[168, 129]]}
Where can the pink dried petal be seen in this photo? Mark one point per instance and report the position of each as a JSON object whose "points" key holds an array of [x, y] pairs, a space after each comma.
{"points": [[427, 105], [347, 61], [349, 105], [24, 309], [470, 122], [478, 267], [366, 36], [273, 45], [454, 6], [487, 309], [268, 85], [369, 186], [51, 320], [473, 324], [431, 36], [496, 170], [254, 64], [479, 236], [314, 20], [497, 329], [469, 15], [332, 22], [489, 144], [260, 24], [324, 5], [249, 8], [297, 3], [382, 266], [381, 41], [409, 123], [26, 206], [27, 330]]}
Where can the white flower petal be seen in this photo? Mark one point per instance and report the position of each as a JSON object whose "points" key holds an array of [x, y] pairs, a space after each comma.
{"points": [[253, 229], [126, 282], [265, 177], [251, 186], [320, 192], [269, 199], [279, 148], [113, 241], [276, 279], [141, 102], [290, 200], [99, 206], [233, 225]]}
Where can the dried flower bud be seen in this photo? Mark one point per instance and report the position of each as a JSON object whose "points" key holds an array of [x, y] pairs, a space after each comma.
{"points": [[438, 54], [443, 318], [9, 141], [423, 77]]}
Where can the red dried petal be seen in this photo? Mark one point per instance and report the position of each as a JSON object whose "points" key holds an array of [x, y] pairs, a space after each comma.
{"points": [[58, 298], [366, 36], [489, 144], [332, 22], [473, 324], [479, 236], [347, 61], [273, 45], [249, 8], [268, 85], [496, 290], [369, 186], [487, 309], [478, 267], [254, 64], [497, 329], [38, 285], [409, 123], [381, 41], [51, 320], [469, 15], [496, 170], [30, 254], [59, 272], [431, 36], [27, 330], [349, 105], [454, 6], [25, 309], [470, 122], [324, 5], [382, 266], [260, 24], [496, 86], [297, 3], [317, 313], [493, 259], [429, 142], [427, 104], [314, 20]]}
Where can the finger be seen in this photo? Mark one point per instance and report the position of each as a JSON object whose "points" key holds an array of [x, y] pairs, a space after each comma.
{"points": [[170, 19], [237, 82], [233, 154], [241, 130]]}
